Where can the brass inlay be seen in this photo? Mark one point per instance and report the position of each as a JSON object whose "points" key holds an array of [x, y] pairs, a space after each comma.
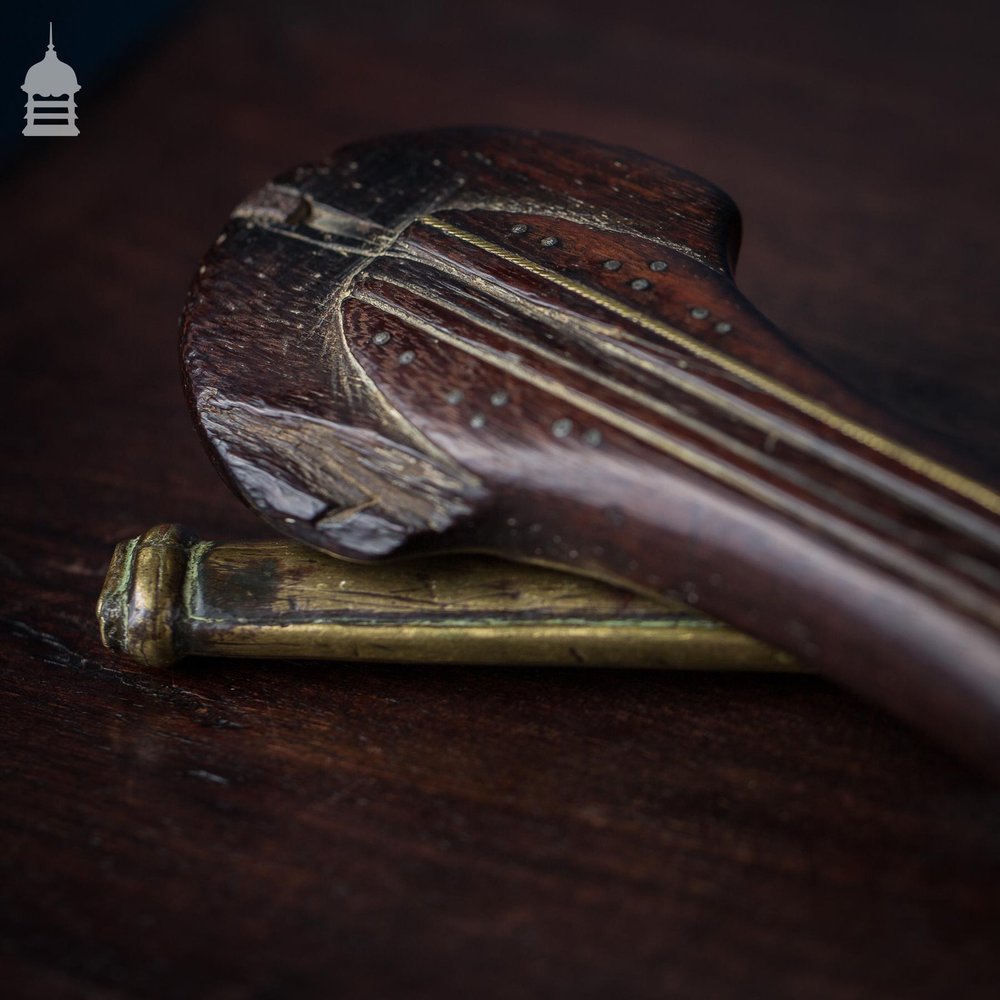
{"points": [[897, 557], [627, 347], [934, 471]]}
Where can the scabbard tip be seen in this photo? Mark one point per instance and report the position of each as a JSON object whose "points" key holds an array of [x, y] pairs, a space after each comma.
{"points": [[140, 609]]}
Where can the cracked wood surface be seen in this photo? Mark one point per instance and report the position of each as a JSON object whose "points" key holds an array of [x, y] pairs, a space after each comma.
{"points": [[240, 830]]}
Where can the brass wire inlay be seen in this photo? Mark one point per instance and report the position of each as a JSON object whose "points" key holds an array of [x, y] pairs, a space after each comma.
{"points": [[897, 559], [934, 471]]}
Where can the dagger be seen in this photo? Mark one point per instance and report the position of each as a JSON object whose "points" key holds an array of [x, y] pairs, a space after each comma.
{"points": [[532, 346]]}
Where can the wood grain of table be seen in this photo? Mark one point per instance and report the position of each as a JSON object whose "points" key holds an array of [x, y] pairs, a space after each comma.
{"points": [[229, 829]]}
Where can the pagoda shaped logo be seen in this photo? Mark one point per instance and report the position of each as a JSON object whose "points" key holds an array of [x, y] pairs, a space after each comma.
{"points": [[51, 88]]}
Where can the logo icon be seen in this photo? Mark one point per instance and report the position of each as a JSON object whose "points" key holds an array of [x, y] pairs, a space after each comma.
{"points": [[51, 88]]}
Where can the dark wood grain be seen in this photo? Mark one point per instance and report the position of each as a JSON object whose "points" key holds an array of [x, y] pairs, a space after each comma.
{"points": [[233, 830], [531, 345]]}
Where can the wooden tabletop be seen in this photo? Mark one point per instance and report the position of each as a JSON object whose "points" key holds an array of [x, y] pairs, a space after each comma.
{"points": [[229, 830]]}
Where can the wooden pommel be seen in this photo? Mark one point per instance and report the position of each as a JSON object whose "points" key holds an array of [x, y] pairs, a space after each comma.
{"points": [[168, 595]]}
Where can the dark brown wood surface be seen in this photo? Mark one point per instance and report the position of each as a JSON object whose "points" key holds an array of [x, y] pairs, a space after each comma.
{"points": [[235, 830]]}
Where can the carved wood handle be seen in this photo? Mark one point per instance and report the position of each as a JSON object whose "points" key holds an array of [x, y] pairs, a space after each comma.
{"points": [[533, 346]]}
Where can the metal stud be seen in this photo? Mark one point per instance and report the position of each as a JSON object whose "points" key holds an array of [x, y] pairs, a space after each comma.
{"points": [[562, 427], [639, 284], [550, 241], [499, 398], [454, 397], [592, 437], [382, 337], [612, 265], [723, 327], [519, 228], [699, 312], [478, 420], [407, 357], [657, 265]]}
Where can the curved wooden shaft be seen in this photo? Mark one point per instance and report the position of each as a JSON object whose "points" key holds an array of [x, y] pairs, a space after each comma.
{"points": [[533, 347]]}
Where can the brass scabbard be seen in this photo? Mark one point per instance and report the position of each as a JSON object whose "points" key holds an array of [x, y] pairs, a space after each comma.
{"points": [[169, 595]]}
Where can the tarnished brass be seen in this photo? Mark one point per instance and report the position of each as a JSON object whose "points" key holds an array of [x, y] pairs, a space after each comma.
{"points": [[168, 595]]}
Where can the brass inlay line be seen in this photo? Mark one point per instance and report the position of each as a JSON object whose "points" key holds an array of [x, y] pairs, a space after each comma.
{"points": [[934, 471], [667, 410]]}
